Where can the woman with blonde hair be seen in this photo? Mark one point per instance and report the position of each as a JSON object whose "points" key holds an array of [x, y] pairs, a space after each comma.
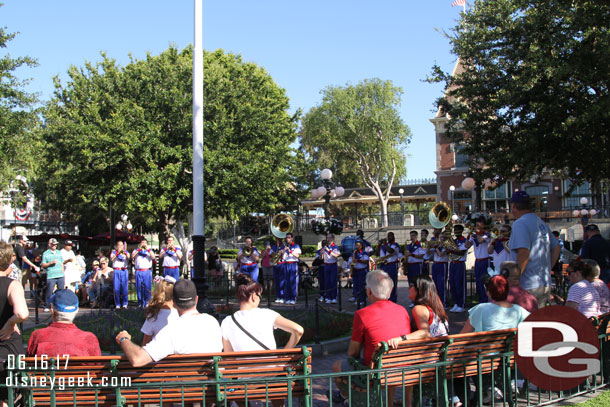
{"points": [[160, 310]]}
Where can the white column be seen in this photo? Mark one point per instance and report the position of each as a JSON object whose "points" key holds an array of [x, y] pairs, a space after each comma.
{"points": [[198, 218]]}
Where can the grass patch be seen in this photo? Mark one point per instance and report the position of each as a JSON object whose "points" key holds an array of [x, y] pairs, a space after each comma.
{"points": [[603, 400]]}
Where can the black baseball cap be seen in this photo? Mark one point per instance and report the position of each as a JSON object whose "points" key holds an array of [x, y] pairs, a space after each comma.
{"points": [[185, 293]]}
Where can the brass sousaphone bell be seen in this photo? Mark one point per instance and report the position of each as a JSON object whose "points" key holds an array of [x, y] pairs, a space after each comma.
{"points": [[281, 225], [440, 217]]}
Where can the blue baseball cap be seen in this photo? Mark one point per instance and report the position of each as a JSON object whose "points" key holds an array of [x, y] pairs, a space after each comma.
{"points": [[64, 301], [520, 197]]}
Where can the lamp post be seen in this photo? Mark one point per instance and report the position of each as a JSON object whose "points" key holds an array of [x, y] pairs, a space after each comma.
{"points": [[451, 189], [124, 222], [584, 213], [328, 190], [402, 207]]}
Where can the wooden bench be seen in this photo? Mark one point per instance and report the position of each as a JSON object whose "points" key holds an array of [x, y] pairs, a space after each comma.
{"points": [[198, 378], [435, 360]]}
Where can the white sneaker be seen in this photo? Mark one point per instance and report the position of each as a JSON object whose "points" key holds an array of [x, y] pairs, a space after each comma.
{"points": [[352, 299], [46, 310], [459, 309], [453, 308], [118, 306], [291, 302], [321, 299], [333, 301], [278, 301]]}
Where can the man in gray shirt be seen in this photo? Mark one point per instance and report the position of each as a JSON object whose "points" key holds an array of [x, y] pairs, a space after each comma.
{"points": [[533, 247]]}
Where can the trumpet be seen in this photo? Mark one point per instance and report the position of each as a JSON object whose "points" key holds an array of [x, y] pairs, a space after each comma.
{"points": [[277, 256], [247, 251]]}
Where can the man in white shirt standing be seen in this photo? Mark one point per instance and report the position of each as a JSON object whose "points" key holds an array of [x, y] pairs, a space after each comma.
{"points": [[191, 333], [71, 269], [330, 254], [143, 260], [480, 240], [170, 257]]}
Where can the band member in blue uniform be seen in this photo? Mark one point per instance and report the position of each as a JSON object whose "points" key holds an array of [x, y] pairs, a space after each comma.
{"points": [[498, 248], [292, 252], [425, 267], [330, 254], [170, 258], [457, 272], [360, 262], [279, 272], [367, 245], [143, 260], [480, 240], [414, 254], [391, 252], [248, 264], [439, 267], [120, 276], [319, 262]]}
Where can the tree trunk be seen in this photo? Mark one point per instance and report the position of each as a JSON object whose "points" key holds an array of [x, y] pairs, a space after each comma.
{"points": [[384, 211]]}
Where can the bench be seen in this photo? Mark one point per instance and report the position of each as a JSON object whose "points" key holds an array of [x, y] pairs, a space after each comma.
{"points": [[419, 362], [602, 326], [197, 378]]}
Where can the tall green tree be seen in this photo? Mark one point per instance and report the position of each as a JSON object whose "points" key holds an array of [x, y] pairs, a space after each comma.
{"points": [[19, 138], [361, 123], [122, 136], [531, 93]]}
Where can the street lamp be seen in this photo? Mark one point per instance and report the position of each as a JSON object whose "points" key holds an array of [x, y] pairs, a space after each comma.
{"points": [[124, 221], [402, 207], [327, 190], [451, 189]]}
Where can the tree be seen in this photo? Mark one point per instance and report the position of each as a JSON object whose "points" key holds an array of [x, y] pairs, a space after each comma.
{"points": [[19, 137], [361, 123], [530, 94], [123, 137]]}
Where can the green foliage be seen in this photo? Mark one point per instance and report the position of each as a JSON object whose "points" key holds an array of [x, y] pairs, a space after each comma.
{"points": [[19, 123], [531, 93], [358, 128], [123, 135]]}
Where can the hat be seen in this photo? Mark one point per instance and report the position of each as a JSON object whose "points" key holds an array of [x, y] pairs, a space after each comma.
{"points": [[592, 228], [184, 292], [53, 241], [520, 197], [64, 301], [68, 243]]}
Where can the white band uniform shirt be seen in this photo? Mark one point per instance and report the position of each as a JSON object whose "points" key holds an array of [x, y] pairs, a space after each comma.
{"points": [[416, 249], [260, 322], [191, 333], [460, 242], [384, 251], [120, 260], [442, 258], [329, 252], [143, 259], [291, 250], [170, 258], [361, 260], [480, 249], [248, 261]]}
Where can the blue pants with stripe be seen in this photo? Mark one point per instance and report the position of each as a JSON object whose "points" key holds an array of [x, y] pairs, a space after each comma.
{"points": [[439, 275], [143, 286], [120, 280], [330, 281], [457, 283], [292, 281], [279, 280], [413, 270], [172, 272], [392, 270], [251, 270], [480, 269], [359, 280]]}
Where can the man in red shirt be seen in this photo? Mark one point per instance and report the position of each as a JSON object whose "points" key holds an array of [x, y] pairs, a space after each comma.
{"points": [[62, 337], [380, 321]]}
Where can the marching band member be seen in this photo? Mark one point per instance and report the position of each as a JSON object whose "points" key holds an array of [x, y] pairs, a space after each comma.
{"points": [[170, 257], [415, 257], [360, 261], [330, 254], [319, 261], [120, 261], [480, 240], [291, 258], [367, 245], [439, 267], [499, 250], [143, 259], [279, 272], [457, 272], [248, 264], [425, 268], [391, 252]]}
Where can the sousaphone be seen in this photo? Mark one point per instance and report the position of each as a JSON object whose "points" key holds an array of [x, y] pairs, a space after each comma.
{"points": [[440, 217], [281, 225]]}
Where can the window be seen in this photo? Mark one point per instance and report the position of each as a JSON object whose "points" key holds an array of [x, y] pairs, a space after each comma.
{"points": [[537, 190], [460, 157], [498, 193]]}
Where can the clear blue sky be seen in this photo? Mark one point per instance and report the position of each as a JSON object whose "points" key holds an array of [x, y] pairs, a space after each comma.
{"points": [[304, 45]]}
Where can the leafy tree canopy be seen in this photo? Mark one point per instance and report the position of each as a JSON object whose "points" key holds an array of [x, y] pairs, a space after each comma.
{"points": [[19, 138], [359, 128], [531, 94], [123, 136]]}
